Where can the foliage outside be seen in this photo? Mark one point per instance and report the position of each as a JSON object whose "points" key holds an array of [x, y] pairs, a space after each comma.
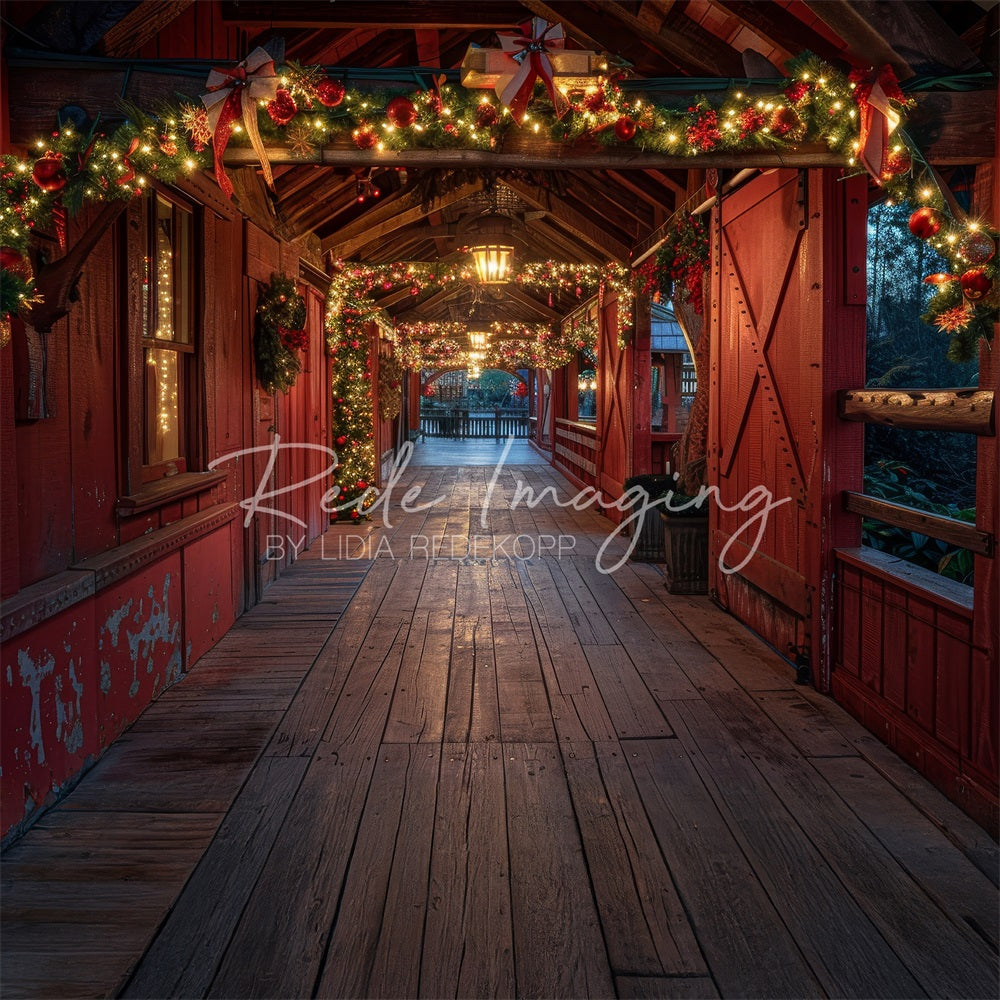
{"points": [[932, 471]]}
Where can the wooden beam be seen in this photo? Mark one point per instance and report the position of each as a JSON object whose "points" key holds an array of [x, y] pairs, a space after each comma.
{"points": [[957, 533], [654, 200], [569, 218], [141, 25], [952, 129], [428, 47], [653, 13], [669, 182], [781, 28], [916, 29], [969, 410], [523, 298], [361, 14], [684, 40], [394, 213], [862, 40]]}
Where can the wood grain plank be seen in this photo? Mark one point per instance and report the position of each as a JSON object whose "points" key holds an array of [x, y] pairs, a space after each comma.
{"points": [[184, 956], [747, 946], [955, 884], [374, 948], [933, 950], [468, 937], [644, 924], [417, 711], [812, 732], [633, 710], [658, 987], [558, 947], [279, 944], [840, 943]]}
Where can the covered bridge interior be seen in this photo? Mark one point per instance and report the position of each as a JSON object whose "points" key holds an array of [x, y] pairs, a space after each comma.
{"points": [[266, 730]]}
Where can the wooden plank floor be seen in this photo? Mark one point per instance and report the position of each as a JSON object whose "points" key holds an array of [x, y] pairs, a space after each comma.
{"points": [[498, 772]]}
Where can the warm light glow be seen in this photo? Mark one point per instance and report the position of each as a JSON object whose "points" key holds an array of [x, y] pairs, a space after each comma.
{"points": [[492, 263], [477, 339]]}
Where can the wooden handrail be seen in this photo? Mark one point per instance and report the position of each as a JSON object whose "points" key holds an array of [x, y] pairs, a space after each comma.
{"points": [[968, 410], [947, 529], [577, 425]]}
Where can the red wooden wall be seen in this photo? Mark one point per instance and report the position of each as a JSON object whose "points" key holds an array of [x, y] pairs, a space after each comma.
{"points": [[787, 329], [104, 608], [907, 667], [918, 656]]}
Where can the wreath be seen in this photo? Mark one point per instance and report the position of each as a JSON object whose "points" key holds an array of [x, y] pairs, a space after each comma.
{"points": [[390, 388], [279, 334]]}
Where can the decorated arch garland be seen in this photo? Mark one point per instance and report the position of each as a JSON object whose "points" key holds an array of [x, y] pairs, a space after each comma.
{"points": [[303, 108]]}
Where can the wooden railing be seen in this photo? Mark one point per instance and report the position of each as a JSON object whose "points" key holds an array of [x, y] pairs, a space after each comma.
{"points": [[459, 423], [575, 449], [964, 410], [969, 410], [906, 659], [958, 533]]}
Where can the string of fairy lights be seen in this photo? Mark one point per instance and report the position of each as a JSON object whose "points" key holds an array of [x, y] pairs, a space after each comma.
{"points": [[307, 109]]}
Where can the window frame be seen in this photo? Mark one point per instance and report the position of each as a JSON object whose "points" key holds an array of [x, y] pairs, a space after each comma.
{"points": [[155, 479]]}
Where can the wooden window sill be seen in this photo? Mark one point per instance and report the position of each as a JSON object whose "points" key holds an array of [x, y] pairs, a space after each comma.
{"points": [[167, 490]]}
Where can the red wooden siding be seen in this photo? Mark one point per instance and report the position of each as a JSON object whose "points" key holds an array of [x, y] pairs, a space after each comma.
{"points": [[104, 608], [787, 330], [905, 664]]}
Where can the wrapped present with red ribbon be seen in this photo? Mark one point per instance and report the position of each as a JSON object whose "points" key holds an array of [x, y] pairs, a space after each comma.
{"points": [[537, 51], [233, 98]]}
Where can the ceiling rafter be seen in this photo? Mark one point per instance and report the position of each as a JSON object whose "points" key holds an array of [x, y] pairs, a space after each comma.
{"points": [[863, 41], [390, 13], [568, 217], [780, 28], [140, 25], [396, 212]]}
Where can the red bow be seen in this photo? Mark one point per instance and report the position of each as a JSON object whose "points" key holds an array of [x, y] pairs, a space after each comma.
{"points": [[878, 118], [530, 52], [233, 95]]}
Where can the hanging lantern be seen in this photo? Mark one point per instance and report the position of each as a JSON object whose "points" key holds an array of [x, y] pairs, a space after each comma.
{"points": [[492, 251], [492, 262], [477, 339]]}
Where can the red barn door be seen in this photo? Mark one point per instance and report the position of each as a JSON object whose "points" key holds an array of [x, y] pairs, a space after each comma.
{"points": [[787, 330]]}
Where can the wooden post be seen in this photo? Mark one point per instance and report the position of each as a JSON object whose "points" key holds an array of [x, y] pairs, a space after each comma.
{"points": [[985, 683]]}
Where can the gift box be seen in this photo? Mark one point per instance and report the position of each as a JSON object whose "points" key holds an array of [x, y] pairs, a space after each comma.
{"points": [[573, 69]]}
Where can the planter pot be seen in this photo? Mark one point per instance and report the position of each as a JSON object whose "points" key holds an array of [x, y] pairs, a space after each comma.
{"points": [[685, 553], [649, 543]]}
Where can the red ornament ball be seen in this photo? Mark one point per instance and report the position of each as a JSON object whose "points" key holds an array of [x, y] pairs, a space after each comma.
{"points": [[283, 108], [926, 222], [486, 115], [342, 440], [362, 485], [401, 112], [330, 93], [977, 247], [624, 129], [975, 283], [364, 138], [355, 514], [897, 163], [48, 173]]}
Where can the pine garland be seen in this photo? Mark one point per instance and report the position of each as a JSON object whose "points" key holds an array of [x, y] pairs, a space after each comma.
{"points": [[279, 334], [353, 416]]}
